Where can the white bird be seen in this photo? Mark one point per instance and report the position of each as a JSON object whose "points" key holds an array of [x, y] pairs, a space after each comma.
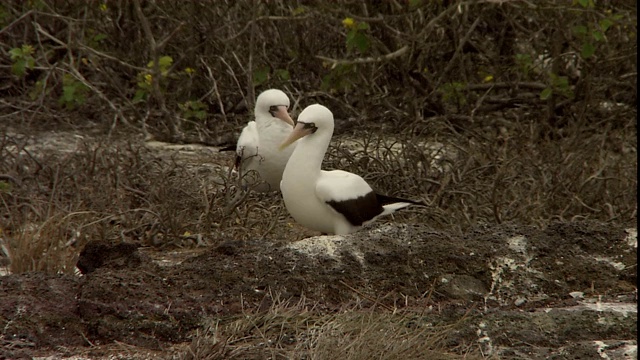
{"points": [[257, 147], [332, 202]]}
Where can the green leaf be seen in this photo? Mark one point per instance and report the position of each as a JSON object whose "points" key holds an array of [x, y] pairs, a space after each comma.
{"points": [[27, 50], [165, 62], [560, 82], [585, 3], [283, 74], [68, 93], [19, 67], [4, 16], [524, 59], [298, 11], [598, 36], [452, 92], [414, 3], [37, 90], [339, 78], [362, 26], [361, 41], [580, 30], [73, 92], [193, 109], [350, 36], [22, 59], [67, 97], [587, 50], [326, 82], [140, 96], [15, 53], [260, 75], [5, 187], [546, 93], [99, 37], [38, 5], [605, 24]]}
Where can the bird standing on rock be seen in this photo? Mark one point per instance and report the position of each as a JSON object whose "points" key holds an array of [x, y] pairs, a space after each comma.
{"points": [[332, 202], [257, 147]]}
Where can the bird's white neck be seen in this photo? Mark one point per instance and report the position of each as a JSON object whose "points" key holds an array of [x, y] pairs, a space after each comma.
{"points": [[307, 158], [263, 120]]}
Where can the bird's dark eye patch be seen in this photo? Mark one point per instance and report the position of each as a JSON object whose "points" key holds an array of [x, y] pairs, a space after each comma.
{"points": [[273, 109], [311, 127]]}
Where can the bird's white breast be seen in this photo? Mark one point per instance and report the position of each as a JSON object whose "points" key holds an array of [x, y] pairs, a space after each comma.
{"points": [[260, 153]]}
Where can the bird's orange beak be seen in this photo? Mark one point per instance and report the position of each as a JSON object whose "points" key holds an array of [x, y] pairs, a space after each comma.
{"points": [[283, 115], [299, 131]]}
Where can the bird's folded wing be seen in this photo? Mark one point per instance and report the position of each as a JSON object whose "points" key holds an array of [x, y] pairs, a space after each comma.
{"points": [[349, 195], [248, 141]]}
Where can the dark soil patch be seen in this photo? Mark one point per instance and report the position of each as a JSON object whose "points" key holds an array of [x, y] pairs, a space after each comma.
{"points": [[494, 273]]}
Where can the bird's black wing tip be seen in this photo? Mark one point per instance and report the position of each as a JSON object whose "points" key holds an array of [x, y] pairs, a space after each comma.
{"points": [[228, 148], [358, 210]]}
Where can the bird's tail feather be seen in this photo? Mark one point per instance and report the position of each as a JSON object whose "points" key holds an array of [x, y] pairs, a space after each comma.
{"points": [[228, 148], [393, 207]]}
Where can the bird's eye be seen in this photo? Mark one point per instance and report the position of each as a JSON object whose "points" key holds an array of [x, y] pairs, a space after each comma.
{"points": [[311, 126]]}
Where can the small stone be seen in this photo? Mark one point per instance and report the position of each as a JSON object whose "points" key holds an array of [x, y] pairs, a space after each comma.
{"points": [[519, 301], [462, 287], [577, 294]]}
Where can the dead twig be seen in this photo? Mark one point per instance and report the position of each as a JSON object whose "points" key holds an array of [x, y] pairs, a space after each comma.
{"points": [[367, 297], [387, 57], [214, 89]]}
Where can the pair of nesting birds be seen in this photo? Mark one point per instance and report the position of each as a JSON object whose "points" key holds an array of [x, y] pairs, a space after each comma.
{"points": [[288, 157]]}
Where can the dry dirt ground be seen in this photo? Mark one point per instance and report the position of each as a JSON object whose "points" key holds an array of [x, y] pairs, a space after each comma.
{"points": [[567, 291]]}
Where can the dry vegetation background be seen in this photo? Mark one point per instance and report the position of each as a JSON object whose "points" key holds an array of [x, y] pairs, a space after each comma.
{"points": [[491, 111]]}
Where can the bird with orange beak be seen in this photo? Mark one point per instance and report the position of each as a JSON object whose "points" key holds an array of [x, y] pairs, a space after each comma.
{"points": [[257, 150], [332, 202]]}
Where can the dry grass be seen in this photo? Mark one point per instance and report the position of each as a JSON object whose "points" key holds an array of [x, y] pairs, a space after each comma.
{"points": [[469, 81], [126, 192], [301, 331], [498, 174], [120, 192]]}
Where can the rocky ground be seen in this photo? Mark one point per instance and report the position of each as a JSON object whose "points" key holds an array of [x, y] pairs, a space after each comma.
{"points": [[565, 292]]}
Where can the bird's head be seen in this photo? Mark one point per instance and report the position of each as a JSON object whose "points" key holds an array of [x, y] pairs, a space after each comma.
{"points": [[274, 103], [312, 119]]}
